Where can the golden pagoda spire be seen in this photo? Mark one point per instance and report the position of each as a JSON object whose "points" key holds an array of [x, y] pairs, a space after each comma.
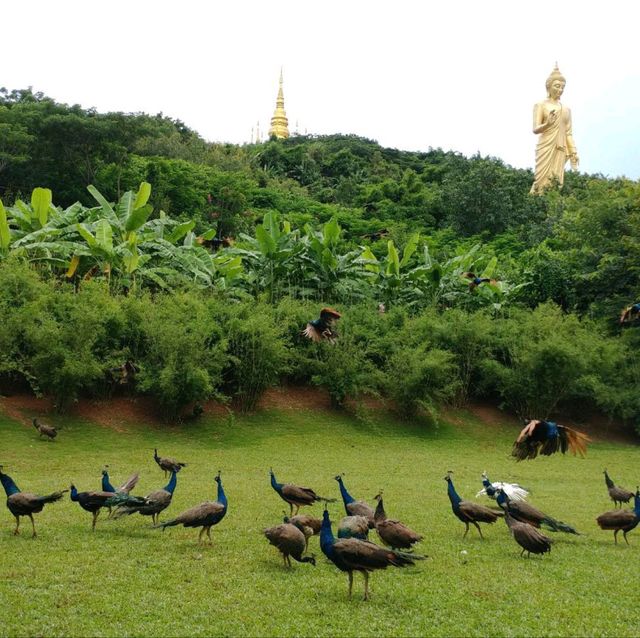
{"points": [[279, 123]]}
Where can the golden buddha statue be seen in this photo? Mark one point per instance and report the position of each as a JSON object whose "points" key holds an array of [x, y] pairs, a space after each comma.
{"points": [[552, 122]]}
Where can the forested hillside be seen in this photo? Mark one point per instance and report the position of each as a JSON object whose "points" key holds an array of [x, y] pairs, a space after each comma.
{"points": [[120, 209]]}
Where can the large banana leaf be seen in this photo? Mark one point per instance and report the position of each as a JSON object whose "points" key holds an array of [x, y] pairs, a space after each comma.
{"points": [[41, 199], [5, 233]]}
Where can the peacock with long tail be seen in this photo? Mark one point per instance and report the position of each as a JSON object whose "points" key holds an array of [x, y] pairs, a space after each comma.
{"points": [[205, 515], [24, 503], [630, 314], [323, 328], [295, 495], [467, 511], [290, 541], [475, 281], [353, 555], [167, 464], [353, 507], [93, 502], [153, 503], [526, 513], [527, 536], [514, 491], [621, 520], [618, 495], [547, 438], [49, 431], [393, 533], [125, 488]]}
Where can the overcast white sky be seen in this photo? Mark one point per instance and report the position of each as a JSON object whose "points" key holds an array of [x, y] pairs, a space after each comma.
{"points": [[412, 74]]}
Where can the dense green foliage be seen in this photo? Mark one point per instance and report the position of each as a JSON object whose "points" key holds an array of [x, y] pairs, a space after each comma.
{"points": [[129, 579]]}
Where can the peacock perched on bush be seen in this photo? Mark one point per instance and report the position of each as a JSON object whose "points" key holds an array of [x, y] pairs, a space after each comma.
{"points": [[353, 555], [153, 503], [467, 511], [23, 503], [322, 329], [546, 438], [205, 515], [295, 495], [625, 520], [618, 495], [514, 491], [526, 513], [290, 541]]}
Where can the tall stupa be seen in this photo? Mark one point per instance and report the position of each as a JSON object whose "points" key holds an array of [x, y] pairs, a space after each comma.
{"points": [[279, 122]]}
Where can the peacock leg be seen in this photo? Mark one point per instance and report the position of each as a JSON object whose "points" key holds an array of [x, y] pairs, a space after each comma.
{"points": [[615, 536], [297, 509], [33, 526], [624, 533], [200, 535], [350, 584], [479, 530], [466, 531], [209, 535], [93, 522], [522, 552], [16, 531], [366, 585]]}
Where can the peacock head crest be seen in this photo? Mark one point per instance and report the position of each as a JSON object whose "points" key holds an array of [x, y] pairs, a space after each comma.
{"points": [[338, 477], [447, 478], [217, 477], [378, 496]]}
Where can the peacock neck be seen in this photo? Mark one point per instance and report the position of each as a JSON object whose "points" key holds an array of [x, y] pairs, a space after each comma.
{"points": [[274, 484], [380, 514], [222, 498], [486, 482], [453, 495], [607, 480], [326, 535], [636, 507], [346, 497], [74, 493], [106, 485], [501, 499], [9, 486], [171, 485]]}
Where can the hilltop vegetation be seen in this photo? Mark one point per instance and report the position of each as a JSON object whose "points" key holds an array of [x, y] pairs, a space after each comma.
{"points": [[314, 220]]}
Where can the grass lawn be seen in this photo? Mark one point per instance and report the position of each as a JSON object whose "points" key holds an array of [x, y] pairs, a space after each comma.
{"points": [[129, 579]]}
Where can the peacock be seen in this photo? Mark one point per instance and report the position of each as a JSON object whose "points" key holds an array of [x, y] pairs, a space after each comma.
{"points": [[353, 555], [620, 519], [153, 503], [290, 541], [617, 494], [353, 507], [630, 314], [308, 525], [124, 374], [205, 515], [295, 495], [526, 513], [167, 464], [527, 536], [392, 532], [46, 430], [514, 491], [23, 503], [125, 488], [94, 501], [546, 438], [353, 527], [323, 329], [475, 281], [467, 511]]}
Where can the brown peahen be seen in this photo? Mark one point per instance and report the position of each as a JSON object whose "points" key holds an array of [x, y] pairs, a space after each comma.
{"points": [[621, 520], [167, 464], [392, 532], [295, 495], [468, 512], [23, 503], [45, 430], [290, 541], [618, 495], [152, 504], [353, 555], [205, 515], [308, 525], [527, 536]]}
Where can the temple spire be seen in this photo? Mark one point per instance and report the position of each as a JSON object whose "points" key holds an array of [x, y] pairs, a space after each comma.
{"points": [[279, 123]]}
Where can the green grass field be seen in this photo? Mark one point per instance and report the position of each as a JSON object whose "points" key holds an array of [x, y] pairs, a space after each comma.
{"points": [[129, 579]]}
